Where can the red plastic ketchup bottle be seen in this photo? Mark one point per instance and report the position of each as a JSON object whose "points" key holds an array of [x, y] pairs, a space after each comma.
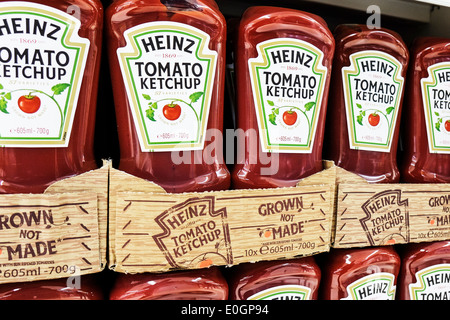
{"points": [[167, 62], [283, 69], [360, 274], [49, 69], [366, 94], [425, 271], [296, 279], [202, 284], [426, 121], [84, 288]]}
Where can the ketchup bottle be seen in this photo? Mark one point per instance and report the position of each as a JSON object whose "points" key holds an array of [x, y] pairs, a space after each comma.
{"points": [[48, 78], [365, 104], [49, 74], [425, 271], [167, 63], [201, 284], [85, 288], [283, 64], [360, 274], [426, 121], [296, 279]]}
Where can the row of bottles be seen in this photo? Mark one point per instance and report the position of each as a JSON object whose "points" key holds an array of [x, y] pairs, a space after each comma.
{"points": [[303, 95], [416, 272]]}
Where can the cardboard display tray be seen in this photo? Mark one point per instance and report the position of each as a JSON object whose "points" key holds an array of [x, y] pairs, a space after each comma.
{"points": [[386, 214], [154, 231], [60, 233]]}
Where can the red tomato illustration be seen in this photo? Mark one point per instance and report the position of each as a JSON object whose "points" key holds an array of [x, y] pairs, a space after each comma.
{"points": [[374, 119], [29, 103], [290, 117], [172, 111]]}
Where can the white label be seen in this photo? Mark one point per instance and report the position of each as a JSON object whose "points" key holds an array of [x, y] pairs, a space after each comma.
{"points": [[286, 292], [373, 87], [436, 104], [433, 283], [288, 81], [169, 72], [377, 286], [42, 61]]}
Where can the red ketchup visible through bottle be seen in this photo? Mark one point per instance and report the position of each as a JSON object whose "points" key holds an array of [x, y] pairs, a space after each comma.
{"points": [[82, 288], [167, 63], [425, 271], [283, 66], [425, 156], [283, 63], [296, 279], [363, 118], [202, 284], [360, 274], [49, 80]]}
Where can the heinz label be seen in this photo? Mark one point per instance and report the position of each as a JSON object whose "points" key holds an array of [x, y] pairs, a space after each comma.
{"points": [[42, 61], [168, 71], [288, 81], [436, 106], [377, 286], [386, 219], [432, 283], [194, 234], [373, 87], [285, 292]]}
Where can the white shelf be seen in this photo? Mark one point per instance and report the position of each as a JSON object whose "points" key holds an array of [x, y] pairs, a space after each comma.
{"points": [[415, 10], [445, 3]]}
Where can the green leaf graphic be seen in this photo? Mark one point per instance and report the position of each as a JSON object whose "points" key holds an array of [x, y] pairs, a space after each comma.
{"points": [[150, 114], [3, 105], [389, 110], [359, 119], [438, 126], [272, 118], [59, 88], [195, 96], [309, 105]]}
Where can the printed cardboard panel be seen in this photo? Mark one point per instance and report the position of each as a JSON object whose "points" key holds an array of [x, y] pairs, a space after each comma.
{"points": [[385, 214], [48, 236], [95, 181], [58, 234], [158, 232]]}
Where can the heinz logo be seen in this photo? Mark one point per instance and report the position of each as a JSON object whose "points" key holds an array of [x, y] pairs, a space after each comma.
{"points": [[194, 234], [387, 218]]}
